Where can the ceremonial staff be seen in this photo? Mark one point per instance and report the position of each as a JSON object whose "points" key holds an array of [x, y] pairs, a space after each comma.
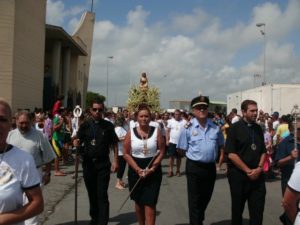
{"points": [[77, 113], [138, 181], [295, 112]]}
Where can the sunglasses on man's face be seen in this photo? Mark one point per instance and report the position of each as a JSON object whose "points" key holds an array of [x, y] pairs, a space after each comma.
{"points": [[201, 107], [97, 109]]}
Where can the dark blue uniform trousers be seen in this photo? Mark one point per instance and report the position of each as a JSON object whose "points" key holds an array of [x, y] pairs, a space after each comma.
{"points": [[201, 179]]}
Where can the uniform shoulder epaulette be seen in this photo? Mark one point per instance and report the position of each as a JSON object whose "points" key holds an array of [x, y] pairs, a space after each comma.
{"points": [[187, 125]]}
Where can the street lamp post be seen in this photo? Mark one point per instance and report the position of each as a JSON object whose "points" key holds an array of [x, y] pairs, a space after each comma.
{"points": [[263, 32], [107, 62]]}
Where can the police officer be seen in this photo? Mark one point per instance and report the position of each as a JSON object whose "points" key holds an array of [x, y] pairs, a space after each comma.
{"points": [[97, 136], [200, 141], [246, 150]]}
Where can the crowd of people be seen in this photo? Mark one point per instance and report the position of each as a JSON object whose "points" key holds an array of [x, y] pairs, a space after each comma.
{"points": [[249, 147]]}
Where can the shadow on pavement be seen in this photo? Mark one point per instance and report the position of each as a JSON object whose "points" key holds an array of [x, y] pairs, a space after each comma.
{"points": [[83, 222], [124, 219], [228, 222]]}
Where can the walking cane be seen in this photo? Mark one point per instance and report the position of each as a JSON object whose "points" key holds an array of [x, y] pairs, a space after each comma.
{"points": [[77, 113], [138, 181], [295, 112]]}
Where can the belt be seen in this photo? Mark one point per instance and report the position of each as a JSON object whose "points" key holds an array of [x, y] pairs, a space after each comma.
{"points": [[203, 164]]}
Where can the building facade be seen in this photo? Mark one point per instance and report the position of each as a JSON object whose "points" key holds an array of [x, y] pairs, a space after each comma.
{"points": [[38, 61]]}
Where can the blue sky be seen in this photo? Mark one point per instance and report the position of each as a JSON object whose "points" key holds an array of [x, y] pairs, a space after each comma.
{"points": [[187, 46]]}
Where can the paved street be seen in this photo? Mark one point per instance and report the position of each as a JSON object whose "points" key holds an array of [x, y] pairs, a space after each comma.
{"points": [[171, 209]]}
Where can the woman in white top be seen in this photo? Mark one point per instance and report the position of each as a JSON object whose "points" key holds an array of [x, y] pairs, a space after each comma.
{"points": [[141, 144], [121, 133]]}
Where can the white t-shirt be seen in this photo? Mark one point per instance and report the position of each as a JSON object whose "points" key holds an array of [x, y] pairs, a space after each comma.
{"points": [[294, 183], [235, 119], [175, 129], [275, 124], [17, 172], [121, 133], [33, 142]]}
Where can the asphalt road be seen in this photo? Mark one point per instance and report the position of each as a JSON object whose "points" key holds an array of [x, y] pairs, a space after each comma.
{"points": [[171, 209]]}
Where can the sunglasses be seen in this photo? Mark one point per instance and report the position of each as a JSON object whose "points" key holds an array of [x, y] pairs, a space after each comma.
{"points": [[97, 109], [201, 107]]}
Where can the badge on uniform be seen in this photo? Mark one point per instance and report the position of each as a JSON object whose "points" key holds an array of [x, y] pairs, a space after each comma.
{"points": [[194, 133]]}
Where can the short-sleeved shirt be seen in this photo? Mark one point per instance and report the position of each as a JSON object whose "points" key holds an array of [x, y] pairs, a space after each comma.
{"points": [[17, 174], [283, 130], [121, 133], [58, 135], [240, 137], [33, 142], [103, 132], [201, 143], [175, 127]]}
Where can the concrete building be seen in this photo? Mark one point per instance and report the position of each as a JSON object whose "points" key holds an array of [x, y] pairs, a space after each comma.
{"points": [[39, 61], [22, 46], [270, 98]]}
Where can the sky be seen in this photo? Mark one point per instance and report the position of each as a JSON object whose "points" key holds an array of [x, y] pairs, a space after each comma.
{"points": [[187, 47]]}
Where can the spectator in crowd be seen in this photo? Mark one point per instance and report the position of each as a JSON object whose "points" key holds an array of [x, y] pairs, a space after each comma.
{"points": [[291, 197], [285, 158], [234, 116], [58, 104], [283, 129], [58, 140], [28, 139], [48, 126], [18, 176], [174, 127], [121, 133]]}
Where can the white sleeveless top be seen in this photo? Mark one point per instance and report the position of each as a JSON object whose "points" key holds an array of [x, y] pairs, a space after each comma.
{"points": [[137, 145]]}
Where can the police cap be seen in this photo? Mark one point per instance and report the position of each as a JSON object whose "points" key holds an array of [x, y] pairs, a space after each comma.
{"points": [[200, 100]]}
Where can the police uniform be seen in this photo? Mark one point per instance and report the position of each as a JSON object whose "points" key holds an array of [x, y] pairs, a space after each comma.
{"points": [[201, 146], [247, 141], [97, 137]]}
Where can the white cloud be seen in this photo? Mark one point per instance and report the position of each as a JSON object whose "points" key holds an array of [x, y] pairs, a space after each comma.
{"points": [[57, 14], [192, 52]]}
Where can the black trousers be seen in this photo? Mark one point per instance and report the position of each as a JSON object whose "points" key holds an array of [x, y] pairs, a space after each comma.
{"points": [[201, 179], [243, 189], [96, 179], [122, 166]]}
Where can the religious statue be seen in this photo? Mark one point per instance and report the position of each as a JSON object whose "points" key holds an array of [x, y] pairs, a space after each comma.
{"points": [[143, 82], [143, 94]]}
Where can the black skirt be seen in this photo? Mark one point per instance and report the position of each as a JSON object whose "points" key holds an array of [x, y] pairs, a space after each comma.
{"points": [[147, 191]]}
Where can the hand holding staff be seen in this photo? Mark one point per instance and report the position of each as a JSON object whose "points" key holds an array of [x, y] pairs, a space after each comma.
{"points": [[143, 174]]}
